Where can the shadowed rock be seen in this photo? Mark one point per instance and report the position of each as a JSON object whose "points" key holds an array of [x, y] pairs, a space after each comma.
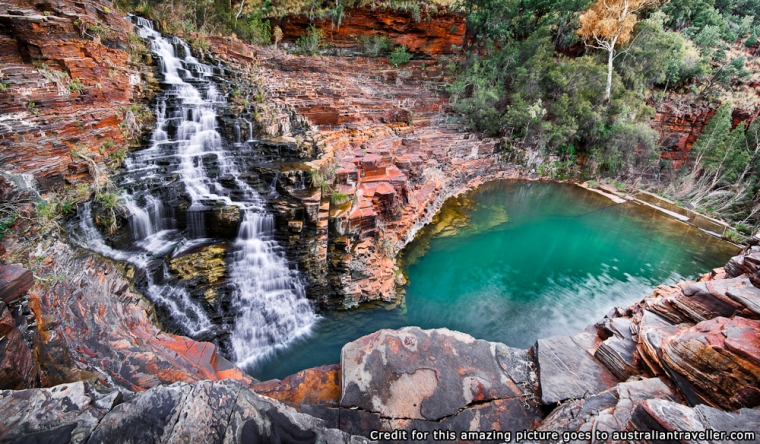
{"points": [[667, 416], [18, 370], [207, 412]]}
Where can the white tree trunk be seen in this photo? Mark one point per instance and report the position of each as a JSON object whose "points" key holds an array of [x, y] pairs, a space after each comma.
{"points": [[608, 91]]}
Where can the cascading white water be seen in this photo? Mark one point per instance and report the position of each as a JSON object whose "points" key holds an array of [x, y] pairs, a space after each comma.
{"points": [[270, 306]]}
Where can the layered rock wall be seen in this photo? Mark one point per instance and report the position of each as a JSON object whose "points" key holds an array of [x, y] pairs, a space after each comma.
{"points": [[66, 85], [429, 33]]}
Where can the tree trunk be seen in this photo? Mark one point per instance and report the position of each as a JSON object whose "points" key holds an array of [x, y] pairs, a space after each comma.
{"points": [[608, 91]]}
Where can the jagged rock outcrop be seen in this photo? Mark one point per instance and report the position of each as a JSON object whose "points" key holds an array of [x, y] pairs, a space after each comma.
{"points": [[207, 412], [429, 32]]}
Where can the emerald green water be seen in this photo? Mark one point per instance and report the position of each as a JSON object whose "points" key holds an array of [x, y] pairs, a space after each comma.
{"points": [[516, 261]]}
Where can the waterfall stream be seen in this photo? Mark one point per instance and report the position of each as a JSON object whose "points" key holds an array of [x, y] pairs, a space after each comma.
{"points": [[268, 301]]}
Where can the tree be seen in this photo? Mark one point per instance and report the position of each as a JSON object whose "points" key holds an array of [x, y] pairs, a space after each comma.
{"points": [[608, 24]]}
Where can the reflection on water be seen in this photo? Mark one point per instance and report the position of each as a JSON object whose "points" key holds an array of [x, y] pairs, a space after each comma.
{"points": [[515, 261]]}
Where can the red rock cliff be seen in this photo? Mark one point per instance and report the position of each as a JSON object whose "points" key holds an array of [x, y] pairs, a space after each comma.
{"points": [[432, 35]]}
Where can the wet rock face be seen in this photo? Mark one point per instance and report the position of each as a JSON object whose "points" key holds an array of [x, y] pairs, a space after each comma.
{"points": [[94, 327], [207, 412], [203, 268], [431, 33]]}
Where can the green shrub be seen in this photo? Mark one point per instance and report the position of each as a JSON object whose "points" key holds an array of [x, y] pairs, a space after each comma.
{"points": [[375, 45], [255, 30], [399, 56], [310, 42], [76, 85], [6, 223], [751, 40], [339, 198], [733, 236]]}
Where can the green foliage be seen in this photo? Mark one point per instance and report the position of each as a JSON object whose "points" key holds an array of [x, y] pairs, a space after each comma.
{"points": [[109, 200], [311, 41], [339, 198], [32, 108], [255, 30], [399, 56], [76, 85], [375, 45], [751, 40], [319, 180], [659, 58], [6, 223], [734, 236]]}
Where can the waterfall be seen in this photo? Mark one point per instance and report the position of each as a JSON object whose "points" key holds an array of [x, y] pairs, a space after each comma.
{"points": [[270, 306]]}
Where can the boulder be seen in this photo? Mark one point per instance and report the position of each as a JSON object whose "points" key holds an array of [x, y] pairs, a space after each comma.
{"points": [[421, 374], [435, 380], [566, 370], [15, 280]]}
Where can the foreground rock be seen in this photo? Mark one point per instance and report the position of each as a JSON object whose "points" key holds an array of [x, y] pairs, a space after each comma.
{"points": [[567, 370], [436, 380], [206, 412]]}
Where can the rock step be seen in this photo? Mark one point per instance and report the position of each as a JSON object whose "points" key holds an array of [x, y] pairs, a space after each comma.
{"points": [[567, 370], [749, 296], [618, 356]]}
